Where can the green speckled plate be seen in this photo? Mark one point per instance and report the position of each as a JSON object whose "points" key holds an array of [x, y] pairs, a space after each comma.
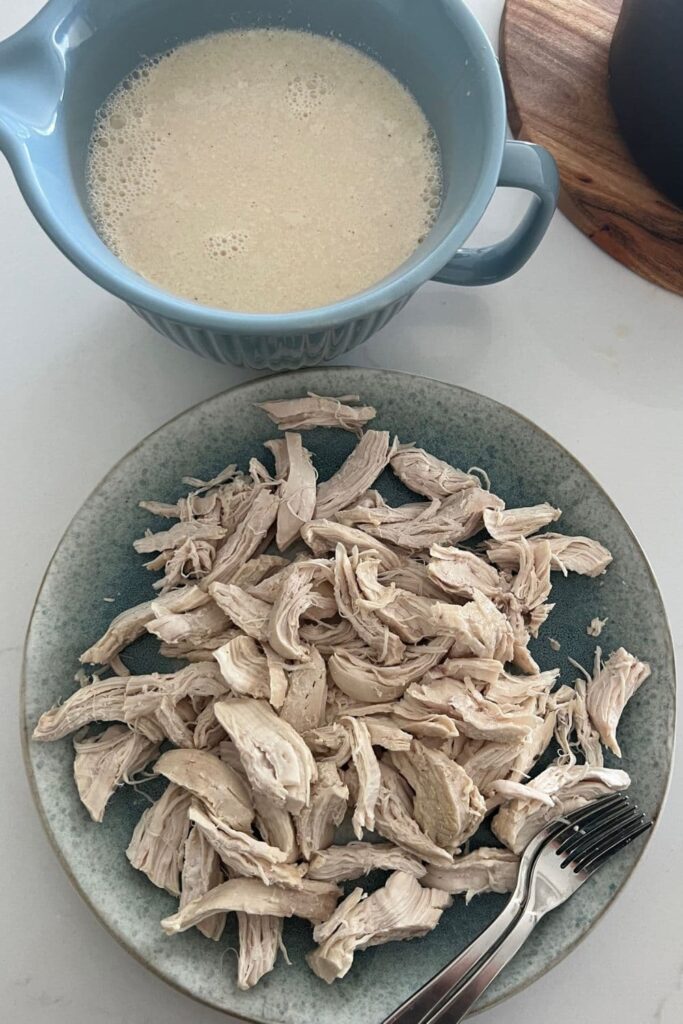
{"points": [[95, 560]]}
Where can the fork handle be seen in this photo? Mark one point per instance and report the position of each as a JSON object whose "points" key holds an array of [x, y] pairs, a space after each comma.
{"points": [[460, 1001], [419, 1006]]}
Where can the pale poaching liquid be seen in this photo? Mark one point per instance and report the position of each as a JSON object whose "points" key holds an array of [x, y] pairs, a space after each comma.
{"points": [[263, 171]]}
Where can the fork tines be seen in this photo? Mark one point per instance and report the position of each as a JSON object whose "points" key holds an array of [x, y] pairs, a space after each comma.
{"points": [[598, 830]]}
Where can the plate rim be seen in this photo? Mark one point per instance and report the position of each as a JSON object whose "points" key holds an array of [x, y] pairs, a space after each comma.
{"points": [[24, 724]]}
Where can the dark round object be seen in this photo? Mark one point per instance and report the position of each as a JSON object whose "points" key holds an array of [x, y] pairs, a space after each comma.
{"points": [[646, 88]]}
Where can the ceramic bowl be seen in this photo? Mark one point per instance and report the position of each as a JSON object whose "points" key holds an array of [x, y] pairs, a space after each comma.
{"points": [[58, 70]]}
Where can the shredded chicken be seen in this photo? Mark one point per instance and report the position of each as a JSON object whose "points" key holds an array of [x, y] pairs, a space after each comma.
{"points": [[246, 856], [216, 784], [381, 677], [314, 901], [365, 681], [567, 554], [260, 938], [345, 863], [105, 761], [323, 535], [361, 469], [130, 625], [427, 475], [419, 525], [317, 411], [513, 523], [201, 873], [276, 760], [612, 686], [316, 824], [157, 846], [570, 787], [448, 807], [297, 492], [462, 573], [402, 909], [487, 869], [369, 779]]}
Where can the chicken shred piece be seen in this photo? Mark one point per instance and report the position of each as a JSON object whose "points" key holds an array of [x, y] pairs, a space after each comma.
{"points": [[513, 523], [386, 734], [249, 613], [246, 856], [168, 540], [345, 863], [323, 535], [419, 525], [475, 715], [314, 901], [448, 807], [220, 789], [414, 576], [358, 677], [402, 909], [130, 625], [429, 476], [248, 536], [297, 492], [106, 760], [612, 686], [193, 627], [384, 644], [587, 736], [244, 667], [369, 779], [100, 701], [570, 786], [318, 411], [462, 573], [296, 595], [531, 586], [157, 846], [260, 939], [201, 873], [276, 759], [394, 819], [361, 469], [316, 824], [568, 554], [330, 743], [276, 827], [483, 631], [257, 569], [411, 617], [304, 703], [488, 869], [328, 637]]}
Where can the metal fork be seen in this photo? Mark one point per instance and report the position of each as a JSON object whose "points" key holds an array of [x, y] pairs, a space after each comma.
{"points": [[557, 861]]}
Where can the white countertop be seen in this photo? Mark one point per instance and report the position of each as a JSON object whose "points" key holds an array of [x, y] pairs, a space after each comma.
{"points": [[589, 351]]}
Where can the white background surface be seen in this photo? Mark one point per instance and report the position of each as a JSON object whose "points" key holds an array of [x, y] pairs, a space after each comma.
{"points": [[586, 349]]}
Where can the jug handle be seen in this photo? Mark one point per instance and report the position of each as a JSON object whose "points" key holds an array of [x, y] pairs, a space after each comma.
{"points": [[525, 166], [31, 76]]}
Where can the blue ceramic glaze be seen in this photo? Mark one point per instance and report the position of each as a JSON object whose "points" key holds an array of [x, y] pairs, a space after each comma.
{"points": [[95, 560], [57, 71]]}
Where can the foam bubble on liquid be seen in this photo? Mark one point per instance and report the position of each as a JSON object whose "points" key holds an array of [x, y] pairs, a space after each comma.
{"points": [[227, 246], [305, 94]]}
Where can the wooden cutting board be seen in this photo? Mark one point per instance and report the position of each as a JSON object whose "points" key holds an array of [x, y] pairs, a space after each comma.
{"points": [[554, 59]]}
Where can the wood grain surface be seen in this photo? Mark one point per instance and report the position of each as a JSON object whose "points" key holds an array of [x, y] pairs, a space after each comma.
{"points": [[554, 59]]}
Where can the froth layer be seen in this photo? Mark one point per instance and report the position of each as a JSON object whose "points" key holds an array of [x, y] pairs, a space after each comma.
{"points": [[263, 171]]}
